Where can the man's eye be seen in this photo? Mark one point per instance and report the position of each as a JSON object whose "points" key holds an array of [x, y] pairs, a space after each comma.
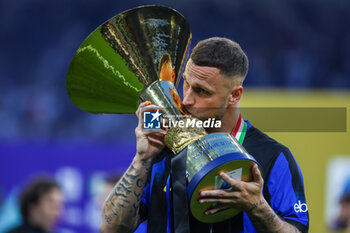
{"points": [[201, 91]]}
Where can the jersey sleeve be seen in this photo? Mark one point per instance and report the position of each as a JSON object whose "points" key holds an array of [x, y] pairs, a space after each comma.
{"points": [[286, 187]]}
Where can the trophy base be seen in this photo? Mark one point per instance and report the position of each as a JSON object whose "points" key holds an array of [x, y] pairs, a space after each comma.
{"points": [[237, 165]]}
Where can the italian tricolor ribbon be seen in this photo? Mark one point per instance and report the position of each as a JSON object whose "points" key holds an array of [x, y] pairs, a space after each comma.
{"points": [[240, 129]]}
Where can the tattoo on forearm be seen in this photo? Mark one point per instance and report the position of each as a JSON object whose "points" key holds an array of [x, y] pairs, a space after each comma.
{"points": [[123, 187], [131, 177], [125, 181], [132, 168], [108, 219], [121, 205], [135, 209], [146, 166], [256, 205], [137, 195], [139, 183], [270, 219], [266, 220], [136, 206], [120, 200]]}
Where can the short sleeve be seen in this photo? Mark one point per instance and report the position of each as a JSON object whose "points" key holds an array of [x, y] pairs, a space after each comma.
{"points": [[286, 187]]}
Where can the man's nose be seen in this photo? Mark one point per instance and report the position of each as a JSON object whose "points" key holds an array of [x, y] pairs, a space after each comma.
{"points": [[188, 98]]}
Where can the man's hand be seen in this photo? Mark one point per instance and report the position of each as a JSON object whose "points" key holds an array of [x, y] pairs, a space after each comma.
{"points": [[149, 141], [248, 197], [241, 196]]}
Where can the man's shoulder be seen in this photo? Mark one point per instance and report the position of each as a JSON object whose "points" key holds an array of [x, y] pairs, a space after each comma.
{"points": [[256, 139], [263, 148]]}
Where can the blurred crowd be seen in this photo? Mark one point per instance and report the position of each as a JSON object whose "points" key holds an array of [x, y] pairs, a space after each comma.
{"points": [[290, 44]]}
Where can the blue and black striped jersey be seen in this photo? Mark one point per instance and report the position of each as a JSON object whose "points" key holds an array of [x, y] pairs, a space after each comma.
{"points": [[283, 189]]}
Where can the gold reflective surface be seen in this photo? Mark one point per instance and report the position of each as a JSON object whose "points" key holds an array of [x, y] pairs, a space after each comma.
{"points": [[121, 58], [178, 137]]}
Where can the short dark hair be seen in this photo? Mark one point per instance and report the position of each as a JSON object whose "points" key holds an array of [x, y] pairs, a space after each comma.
{"points": [[221, 53], [34, 191]]}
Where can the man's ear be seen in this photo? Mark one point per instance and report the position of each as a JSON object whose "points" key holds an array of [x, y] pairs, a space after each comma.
{"points": [[236, 94]]}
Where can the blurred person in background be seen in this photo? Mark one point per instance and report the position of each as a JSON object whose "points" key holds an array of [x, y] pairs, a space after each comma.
{"points": [[40, 206], [343, 220]]}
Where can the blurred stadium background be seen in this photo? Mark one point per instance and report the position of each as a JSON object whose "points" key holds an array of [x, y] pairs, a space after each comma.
{"points": [[299, 54]]}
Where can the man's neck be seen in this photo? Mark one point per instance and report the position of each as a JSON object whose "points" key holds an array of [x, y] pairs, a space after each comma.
{"points": [[228, 121]]}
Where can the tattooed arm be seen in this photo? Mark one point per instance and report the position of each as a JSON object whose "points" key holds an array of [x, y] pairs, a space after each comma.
{"points": [[265, 219], [120, 211], [121, 208]]}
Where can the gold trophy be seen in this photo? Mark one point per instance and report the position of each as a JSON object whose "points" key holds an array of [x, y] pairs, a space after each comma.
{"points": [[140, 54]]}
